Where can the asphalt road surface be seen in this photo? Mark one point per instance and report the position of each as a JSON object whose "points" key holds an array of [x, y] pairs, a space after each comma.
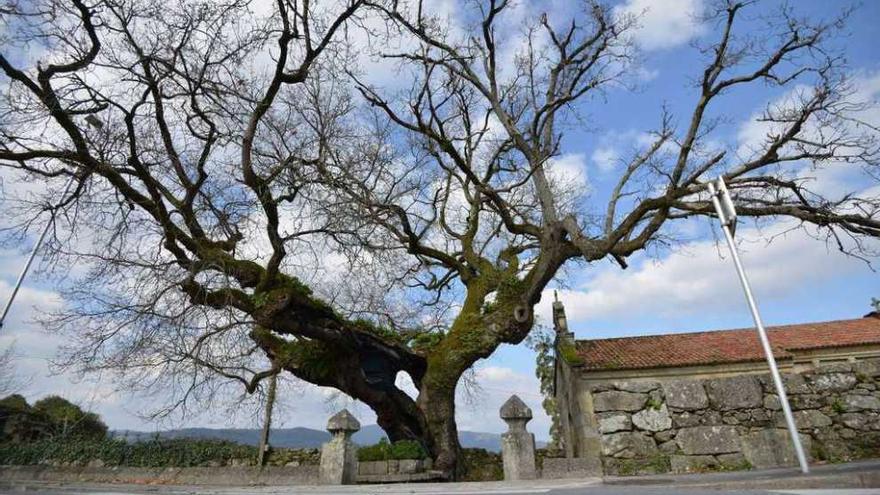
{"points": [[772, 481], [427, 489]]}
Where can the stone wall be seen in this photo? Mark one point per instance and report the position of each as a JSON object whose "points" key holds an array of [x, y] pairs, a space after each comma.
{"points": [[736, 422], [396, 471], [209, 476]]}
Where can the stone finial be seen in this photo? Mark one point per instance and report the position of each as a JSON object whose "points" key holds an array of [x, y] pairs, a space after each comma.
{"points": [[515, 408], [339, 455], [517, 445], [344, 422]]}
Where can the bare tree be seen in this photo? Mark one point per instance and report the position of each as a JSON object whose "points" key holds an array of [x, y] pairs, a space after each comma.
{"points": [[463, 180], [195, 198], [221, 157], [10, 381]]}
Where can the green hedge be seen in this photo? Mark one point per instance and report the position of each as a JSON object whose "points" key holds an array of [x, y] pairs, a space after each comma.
{"points": [[156, 453], [384, 451]]}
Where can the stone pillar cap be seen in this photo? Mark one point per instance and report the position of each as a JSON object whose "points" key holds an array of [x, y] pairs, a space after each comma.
{"points": [[515, 408], [343, 421]]}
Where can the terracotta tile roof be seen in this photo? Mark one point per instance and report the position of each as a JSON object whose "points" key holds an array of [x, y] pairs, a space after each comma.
{"points": [[723, 346]]}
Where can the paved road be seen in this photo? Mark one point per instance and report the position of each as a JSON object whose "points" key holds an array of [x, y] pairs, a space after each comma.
{"points": [[598, 490], [772, 481], [570, 488]]}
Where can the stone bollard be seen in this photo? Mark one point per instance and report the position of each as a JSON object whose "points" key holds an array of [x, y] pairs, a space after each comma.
{"points": [[339, 455], [517, 445]]}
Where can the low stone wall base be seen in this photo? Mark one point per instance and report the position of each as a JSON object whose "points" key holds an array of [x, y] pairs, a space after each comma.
{"points": [[216, 476], [576, 468]]}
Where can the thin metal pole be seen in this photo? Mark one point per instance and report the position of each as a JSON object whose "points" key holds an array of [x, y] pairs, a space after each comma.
{"points": [[762, 333], [267, 421], [31, 257]]}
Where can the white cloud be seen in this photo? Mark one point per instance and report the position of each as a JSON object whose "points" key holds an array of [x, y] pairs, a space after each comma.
{"points": [[301, 404], [479, 411], [664, 23], [699, 277], [569, 168], [862, 103], [752, 135], [621, 146], [386, 72], [605, 158], [645, 74]]}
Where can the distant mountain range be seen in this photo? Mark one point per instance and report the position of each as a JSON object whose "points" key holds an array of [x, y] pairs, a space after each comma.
{"points": [[300, 438]]}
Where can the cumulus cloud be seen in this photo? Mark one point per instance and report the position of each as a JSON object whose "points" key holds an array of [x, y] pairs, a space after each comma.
{"points": [[645, 74], [300, 404], [569, 168], [699, 277], [605, 158], [664, 24], [384, 71], [479, 411], [477, 408], [752, 135]]}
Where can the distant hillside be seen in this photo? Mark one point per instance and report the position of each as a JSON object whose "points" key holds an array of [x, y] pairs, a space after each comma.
{"points": [[300, 438]]}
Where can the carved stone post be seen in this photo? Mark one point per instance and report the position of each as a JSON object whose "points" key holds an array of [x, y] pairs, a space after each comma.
{"points": [[339, 455], [517, 445]]}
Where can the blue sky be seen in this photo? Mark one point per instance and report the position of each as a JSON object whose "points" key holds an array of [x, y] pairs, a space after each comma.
{"points": [[689, 288]]}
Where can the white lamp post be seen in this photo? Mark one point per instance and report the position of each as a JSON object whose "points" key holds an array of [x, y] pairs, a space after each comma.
{"points": [[727, 214], [31, 257]]}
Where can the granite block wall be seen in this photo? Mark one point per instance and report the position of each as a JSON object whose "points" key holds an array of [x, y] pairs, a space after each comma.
{"points": [[736, 422]]}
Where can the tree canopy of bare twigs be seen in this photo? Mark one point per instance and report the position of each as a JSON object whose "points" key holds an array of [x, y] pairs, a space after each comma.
{"points": [[223, 155], [10, 381]]}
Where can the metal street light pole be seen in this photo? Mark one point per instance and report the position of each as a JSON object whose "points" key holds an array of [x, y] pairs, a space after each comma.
{"points": [[33, 255], [727, 214]]}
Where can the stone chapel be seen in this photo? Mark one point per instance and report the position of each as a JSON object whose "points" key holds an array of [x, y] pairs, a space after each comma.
{"points": [[703, 401]]}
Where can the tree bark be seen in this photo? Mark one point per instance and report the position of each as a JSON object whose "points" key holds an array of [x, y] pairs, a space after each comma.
{"points": [[438, 406]]}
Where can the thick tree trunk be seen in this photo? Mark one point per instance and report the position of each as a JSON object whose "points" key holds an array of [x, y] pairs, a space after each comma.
{"points": [[364, 367], [400, 418], [467, 341], [438, 407]]}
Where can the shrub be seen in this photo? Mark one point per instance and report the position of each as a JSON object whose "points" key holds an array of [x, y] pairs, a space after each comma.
{"points": [[20, 423], [376, 452], [14, 403], [50, 417], [66, 418], [385, 451], [407, 449]]}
